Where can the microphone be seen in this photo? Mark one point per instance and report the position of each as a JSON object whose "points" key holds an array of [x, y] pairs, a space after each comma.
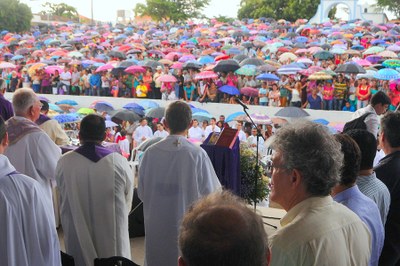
{"points": [[241, 103]]}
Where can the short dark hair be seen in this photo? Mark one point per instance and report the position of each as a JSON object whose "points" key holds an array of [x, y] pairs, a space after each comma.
{"points": [[45, 105], [213, 118], [221, 230], [123, 132], [367, 143], [93, 128], [390, 125], [351, 160], [3, 129], [178, 116], [380, 97]]}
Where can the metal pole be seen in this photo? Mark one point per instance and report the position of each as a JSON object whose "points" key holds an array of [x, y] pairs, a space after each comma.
{"points": [[91, 10]]}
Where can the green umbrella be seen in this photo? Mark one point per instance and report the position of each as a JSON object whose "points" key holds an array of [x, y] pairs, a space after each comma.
{"points": [[85, 111], [373, 50], [247, 70], [323, 55], [393, 63], [227, 47]]}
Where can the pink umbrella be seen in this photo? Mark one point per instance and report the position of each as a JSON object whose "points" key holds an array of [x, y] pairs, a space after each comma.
{"points": [[104, 68], [206, 75], [167, 78], [38, 53], [52, 69], [249, 91], [363, 62], [7, 65], [301, 51], [177, 65], [135, 69], [172, 55]]}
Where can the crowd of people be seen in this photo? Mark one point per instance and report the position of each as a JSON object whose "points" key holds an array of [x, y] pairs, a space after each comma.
{"points": [[340, 191], [275, 62]]}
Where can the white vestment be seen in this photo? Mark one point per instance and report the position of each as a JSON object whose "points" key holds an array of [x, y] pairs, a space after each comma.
{"points": [[196, 133], [209, 129], [140, 132], [161, 134], [36, 155], [173, 174], [242, 136], [252, 140], [95, 202], [28, 235]]}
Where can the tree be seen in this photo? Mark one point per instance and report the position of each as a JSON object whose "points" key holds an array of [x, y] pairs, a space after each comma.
{"points": [[171, 9], [224, 19], [389, 5], [61, 10], [15, 16], [289, 10]]}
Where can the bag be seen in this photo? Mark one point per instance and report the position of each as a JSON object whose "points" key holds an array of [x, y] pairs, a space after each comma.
{"points": [[357, 123]]}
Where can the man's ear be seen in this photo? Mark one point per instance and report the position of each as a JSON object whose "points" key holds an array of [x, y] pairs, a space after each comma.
{"points": [[181, 262], [165, 123], [4, 142], [296, 178]]}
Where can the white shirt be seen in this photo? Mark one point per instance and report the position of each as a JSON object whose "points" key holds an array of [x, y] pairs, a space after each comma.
{"points": [[209, 129], [95, 201], [242, 135], [124, 145], [196, 133], [28, 234], [65, 78], [371, 121], [142, 131], [161, 134], [253, 140], [173, 174]]}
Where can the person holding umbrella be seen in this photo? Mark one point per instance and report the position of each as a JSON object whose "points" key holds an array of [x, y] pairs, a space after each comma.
{"points": [[363, 93]]}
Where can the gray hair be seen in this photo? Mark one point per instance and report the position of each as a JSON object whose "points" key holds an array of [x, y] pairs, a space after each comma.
{"points": [[22, 100], [309, 148]]}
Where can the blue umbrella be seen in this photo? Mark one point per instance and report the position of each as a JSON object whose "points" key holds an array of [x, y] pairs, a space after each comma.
{"points": [[206, 59], [357, 47], [234, 50], [268, 77], [229, 90], [66, 101], [66, 118], [387, 74], [148, 104], [321, 121], [17, 57], [202, 116], [103, 107], [232, 117], [199, 110], [55, 108], [131, 106], [301, 39]]}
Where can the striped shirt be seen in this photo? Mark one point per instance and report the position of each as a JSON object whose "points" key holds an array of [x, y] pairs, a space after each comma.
{"points": [[375, 189]]}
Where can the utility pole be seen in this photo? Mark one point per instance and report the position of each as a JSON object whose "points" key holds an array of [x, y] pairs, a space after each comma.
{"points": [[91, 10]]}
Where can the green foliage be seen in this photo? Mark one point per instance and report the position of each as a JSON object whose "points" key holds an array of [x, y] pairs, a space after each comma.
{"points": [[61, 10], [289, 10], [390, 5], [332, 13], [224, 19], [247, 172], [176, 10], [15, 16]]}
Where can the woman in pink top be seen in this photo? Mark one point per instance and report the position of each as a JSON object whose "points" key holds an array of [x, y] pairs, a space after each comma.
{"points": [[327, 95], [231, 80]]}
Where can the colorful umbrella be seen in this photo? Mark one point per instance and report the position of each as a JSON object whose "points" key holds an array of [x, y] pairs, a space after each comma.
{"points": [[52, 69], [66, 118], [135, 69], [248, 91], [324, 55], [320, 76], [4, 65], [167, 78], [67, 101], [231, 90], [148, 104], [85, 111], [350, 68], [387, 74], [232, 117], [247, 70], [206, 75], [103, 107], [294, 112], [260, 119], [393, 63], [268, 77]]}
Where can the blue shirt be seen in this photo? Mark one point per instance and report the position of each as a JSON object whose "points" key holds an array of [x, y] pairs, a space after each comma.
{"points": [[314, 103], [368, 212]]}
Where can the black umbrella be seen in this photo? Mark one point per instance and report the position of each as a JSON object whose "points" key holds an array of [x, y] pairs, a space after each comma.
{"points": [[152, 64], [247, 44], [226, 66], [266, 68], [126, 115], [252, 61], [117, 54], [326, 46], [294, 112], [240, 57], [126, 64], [350, 68], [158, 112], [192, 65]]}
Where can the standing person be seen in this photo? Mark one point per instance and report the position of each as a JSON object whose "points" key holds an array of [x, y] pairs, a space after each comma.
{"points": [[274, 96], [6, 109], [30, 149], [95, 83], [172, 191], [363, 93], [340, 93], [142, 132], [105, 85], [388, 171], [75, 78], [26, 224], [316, 230], [196, 132], [327, 95], [211, 128], [347, 193], [65, 81], [160, 132], [314, 100], [295, 100], [157, 85], [96, 194], [379, 104], [263, 94]]}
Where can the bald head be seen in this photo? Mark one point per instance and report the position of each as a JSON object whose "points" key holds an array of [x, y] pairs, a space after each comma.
{"points": [[221, 230]]}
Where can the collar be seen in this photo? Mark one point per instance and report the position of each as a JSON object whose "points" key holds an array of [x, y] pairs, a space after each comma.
{"points": [[92, 151], [346, 194]]}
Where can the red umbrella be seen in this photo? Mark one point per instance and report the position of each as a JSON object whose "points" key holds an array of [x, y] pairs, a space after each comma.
{"points": [[167, 78], [206, 75], [222, 57], [249, 91], [135, 69]]}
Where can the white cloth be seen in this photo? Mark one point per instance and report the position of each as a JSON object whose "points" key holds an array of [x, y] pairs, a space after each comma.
{"points": [[173, 174], [161, 134], [372, 120], [378, 156], [196, 133], [242, 135], [55, 132], [28, 234], [252, 140], [36, 155], [66, 78], [124, 145], [95, 201], [209, 129], [140, 132]]}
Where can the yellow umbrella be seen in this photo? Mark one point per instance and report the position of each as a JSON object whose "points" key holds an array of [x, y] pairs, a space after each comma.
{"points": [[286, 56], [273, 63], [32, 69], [320, 76]]}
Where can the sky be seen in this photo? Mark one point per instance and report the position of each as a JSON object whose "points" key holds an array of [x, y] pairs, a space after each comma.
{"points": [[106, 10]]}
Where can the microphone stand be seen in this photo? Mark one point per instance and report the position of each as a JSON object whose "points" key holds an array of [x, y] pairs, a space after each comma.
{"points": [[257, 162]]}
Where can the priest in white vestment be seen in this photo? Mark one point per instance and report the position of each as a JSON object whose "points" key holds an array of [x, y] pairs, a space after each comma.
{"points": [[142, 132], [96, 191], [30, 149], [173, 174], [160, 132], [28, 235], [196, 132], [211, 128]]}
